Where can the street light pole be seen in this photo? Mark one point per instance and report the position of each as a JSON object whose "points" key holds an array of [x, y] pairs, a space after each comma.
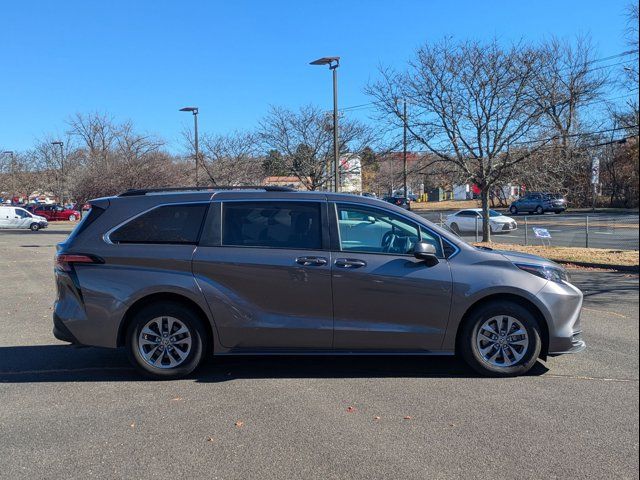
{"points": [[333, 63], [336, 148], [404, 147], [194, 111], [61, 145]]}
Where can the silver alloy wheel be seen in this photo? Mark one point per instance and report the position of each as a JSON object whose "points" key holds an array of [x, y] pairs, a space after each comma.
{"points": [[72, 218], [502, 341], [164, 342]]}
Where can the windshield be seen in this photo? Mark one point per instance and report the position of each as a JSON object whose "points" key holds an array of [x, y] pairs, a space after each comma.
{"points": [[493, 213]]}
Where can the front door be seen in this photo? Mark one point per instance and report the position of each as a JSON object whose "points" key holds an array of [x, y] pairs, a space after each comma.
{"points": [[384, 298], [264, 268]]}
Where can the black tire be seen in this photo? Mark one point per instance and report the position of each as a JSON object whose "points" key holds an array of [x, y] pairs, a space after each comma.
{"points": [[539, 210], [557, 212], [468, 348], [193, 323], [34, 227], [455, 229], [513, 210]]}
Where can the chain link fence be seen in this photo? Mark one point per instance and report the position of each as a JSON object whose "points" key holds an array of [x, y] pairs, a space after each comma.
{"points": [[610, 231]]}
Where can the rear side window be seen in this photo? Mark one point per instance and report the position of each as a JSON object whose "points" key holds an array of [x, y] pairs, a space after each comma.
{"points": [[294, 225], [176, 224], [88, 218]]}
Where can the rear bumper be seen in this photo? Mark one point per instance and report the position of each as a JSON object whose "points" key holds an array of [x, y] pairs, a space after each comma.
{"points": [[61, 332]]}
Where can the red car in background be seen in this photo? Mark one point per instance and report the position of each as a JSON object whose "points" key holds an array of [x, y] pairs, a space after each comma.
{"points": [[55, 213]]}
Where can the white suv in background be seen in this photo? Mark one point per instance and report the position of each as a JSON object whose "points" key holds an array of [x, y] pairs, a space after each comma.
{"points": [[17, 217]]}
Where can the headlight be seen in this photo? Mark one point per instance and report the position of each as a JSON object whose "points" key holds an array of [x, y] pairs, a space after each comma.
{"points": [[554, 274]]}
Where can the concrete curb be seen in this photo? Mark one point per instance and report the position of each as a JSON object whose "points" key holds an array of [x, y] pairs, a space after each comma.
{"points": [[618, 268]]}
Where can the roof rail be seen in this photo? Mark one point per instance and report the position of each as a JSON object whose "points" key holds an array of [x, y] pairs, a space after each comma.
{"points": [[143, 191]]}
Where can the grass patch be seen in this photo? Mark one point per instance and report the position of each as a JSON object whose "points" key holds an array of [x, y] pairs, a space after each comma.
{"points": [[446, 205], [599, 256]]}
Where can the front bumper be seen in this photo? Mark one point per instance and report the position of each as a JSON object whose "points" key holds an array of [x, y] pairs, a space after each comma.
{"points": [[576, 345], [563, 302]]}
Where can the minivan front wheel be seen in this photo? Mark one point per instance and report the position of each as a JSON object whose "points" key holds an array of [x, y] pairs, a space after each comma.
{"points": [[501, 339], [166, 340], [34, 227]]}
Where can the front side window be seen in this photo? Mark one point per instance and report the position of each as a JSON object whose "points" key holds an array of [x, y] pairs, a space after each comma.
{"points": [[371, 230], [175, 224], [294, 225], [22, 213]]}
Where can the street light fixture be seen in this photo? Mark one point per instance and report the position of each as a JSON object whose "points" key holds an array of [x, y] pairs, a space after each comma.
{"points": [[333, 63], [194, 111], [61, 145]]}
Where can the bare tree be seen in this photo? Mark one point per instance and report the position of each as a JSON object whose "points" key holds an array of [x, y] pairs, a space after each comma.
{"points": [[563, 89], [470, 103], [113, 157], [232, 159], [305, 140]]}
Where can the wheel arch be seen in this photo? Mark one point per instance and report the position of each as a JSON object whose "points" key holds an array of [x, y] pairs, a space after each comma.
{"points": [[509, 297], [141, 303]]}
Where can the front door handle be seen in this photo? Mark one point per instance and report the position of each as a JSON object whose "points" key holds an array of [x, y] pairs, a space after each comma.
{"points": [[350, 263], [311, 261]]}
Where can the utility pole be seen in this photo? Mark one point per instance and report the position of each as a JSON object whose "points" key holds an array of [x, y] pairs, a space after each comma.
{"points": [[61, 145]]}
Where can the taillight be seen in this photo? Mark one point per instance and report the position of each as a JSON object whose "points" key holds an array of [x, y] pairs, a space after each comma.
{"points": [[65, 261]]}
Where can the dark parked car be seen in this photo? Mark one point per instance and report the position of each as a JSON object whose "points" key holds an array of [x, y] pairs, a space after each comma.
{"points": [[401, 202], [536, 202], [175, 276]]}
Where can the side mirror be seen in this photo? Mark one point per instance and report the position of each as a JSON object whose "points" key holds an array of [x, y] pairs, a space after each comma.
{"points": [[426, 252]]}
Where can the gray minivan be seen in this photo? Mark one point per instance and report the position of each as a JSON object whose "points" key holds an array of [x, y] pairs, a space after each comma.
{"points": [[176, 275]]}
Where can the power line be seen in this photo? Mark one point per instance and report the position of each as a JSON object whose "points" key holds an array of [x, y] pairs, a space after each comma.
{"points": [[366, 106], [557, 137]]}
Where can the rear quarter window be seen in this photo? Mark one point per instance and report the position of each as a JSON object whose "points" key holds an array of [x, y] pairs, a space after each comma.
{"points": [[175, 224]]}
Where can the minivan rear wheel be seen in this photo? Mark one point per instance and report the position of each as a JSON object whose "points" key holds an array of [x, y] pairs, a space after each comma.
{"points": [[501, 339], [166, 341]]}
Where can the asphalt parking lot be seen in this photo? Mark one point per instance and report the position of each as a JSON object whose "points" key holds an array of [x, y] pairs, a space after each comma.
{"points": [[73, 412]]}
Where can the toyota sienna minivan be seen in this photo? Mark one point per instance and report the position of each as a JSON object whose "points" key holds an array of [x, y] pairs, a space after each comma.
{"points": [[176, 275]]}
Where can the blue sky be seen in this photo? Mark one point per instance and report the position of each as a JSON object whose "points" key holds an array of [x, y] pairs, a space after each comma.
{"points": [[142, 60]]}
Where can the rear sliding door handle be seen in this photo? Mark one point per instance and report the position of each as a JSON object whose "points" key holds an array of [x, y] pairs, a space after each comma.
{"points": [[311, 261], [350, 263]]}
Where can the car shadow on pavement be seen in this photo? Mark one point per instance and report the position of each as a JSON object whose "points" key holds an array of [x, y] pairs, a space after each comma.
{"points": [[69, 363]]}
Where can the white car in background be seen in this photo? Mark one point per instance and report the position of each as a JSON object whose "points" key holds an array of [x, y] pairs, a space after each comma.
{"points": [[17, 217], [465, 221]]}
